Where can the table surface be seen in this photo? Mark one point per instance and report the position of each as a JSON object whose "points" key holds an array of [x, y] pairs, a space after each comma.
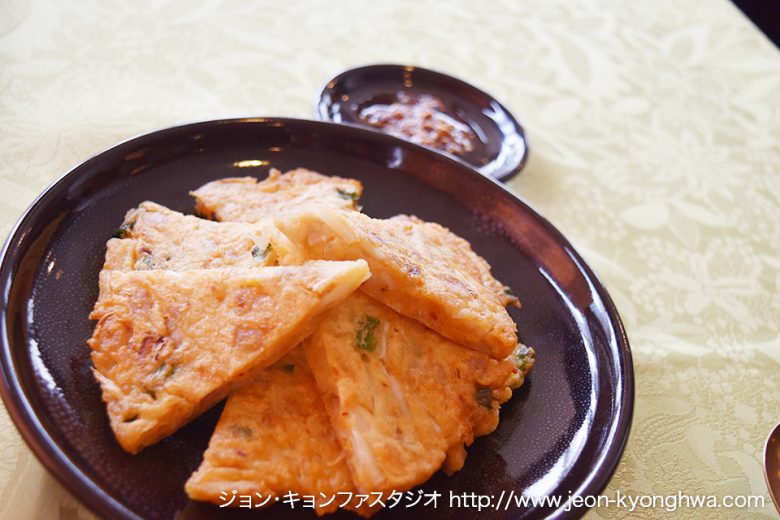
{"points": [[654, 130]]}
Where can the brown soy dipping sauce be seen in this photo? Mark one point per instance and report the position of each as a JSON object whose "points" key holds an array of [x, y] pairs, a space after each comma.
{"points": [[423, 119]]}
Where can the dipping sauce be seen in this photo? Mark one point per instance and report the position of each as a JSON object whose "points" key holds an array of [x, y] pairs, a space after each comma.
{"points": [[423, 120]]}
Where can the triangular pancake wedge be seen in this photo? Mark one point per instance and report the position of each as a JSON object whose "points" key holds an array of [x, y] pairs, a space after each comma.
{"points": [[245, 199], [451, 248], [169, 345], [414, 273], [155, 237], [274, 436], [402, 399]]}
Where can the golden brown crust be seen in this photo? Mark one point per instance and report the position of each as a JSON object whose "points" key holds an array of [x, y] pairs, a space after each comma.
{"points": [[121, 254], [245, 199], [459, 253], [402, 399], [155, 237], [418, 277], [274, 436], [169, 345], [372, 401]]}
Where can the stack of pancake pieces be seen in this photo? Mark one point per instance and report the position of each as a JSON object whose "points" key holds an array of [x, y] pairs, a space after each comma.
{"points": [[356, 354]]}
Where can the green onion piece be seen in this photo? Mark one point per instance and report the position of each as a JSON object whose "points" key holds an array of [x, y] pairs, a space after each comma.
{"points": [[485, 397], [364, 338], [523, 355], [509, 297], [348, 195], [147, 261], [262, 255], [242, 431], [166, 370], [124, 230]]}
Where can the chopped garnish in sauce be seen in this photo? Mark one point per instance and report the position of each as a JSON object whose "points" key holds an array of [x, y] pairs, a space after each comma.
{"points": [[423, 120], [365, 339]]}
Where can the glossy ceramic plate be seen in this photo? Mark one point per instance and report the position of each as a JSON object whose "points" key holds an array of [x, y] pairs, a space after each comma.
{"points": [[563, 433], [500, 150]]}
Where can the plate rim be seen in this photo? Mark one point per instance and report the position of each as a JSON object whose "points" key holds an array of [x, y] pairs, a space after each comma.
{"points": [[503, 176], [66, 470]]}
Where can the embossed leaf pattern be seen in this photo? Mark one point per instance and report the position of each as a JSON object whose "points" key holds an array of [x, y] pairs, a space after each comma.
{"points": [[654, 130]]}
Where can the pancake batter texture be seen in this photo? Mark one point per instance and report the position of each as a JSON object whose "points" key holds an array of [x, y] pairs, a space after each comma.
{"points": [[356, 354]]}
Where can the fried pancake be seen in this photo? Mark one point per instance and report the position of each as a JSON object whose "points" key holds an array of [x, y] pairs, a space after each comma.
{"points": [[155, 237], [169, 345], [249, 451], [245, 199], [458, 251], [421, 278], [122, 254], [274, 436], [402, 399]]}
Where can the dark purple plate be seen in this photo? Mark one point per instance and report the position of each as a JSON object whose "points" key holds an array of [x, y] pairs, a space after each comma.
{"points": [[563, 433], [500, 150]]}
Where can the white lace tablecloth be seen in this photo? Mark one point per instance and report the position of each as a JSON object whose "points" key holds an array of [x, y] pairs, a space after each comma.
{"points": [[654, 128]]}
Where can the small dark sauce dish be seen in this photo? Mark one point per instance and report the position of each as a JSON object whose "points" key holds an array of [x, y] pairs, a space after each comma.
{"points": [[500, 148]]}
